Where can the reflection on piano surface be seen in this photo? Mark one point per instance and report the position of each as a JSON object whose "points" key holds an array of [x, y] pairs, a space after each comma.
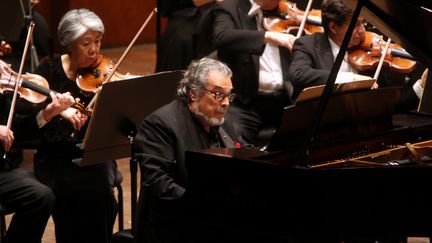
{"points": [[419, 153], [365, 177]]}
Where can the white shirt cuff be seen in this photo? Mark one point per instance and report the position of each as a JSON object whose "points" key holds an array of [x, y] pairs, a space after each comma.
{"points": [[40, 119], [418, 89]]}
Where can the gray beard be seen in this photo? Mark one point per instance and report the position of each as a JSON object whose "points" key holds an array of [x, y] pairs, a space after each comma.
{"points": [[212, 121]]}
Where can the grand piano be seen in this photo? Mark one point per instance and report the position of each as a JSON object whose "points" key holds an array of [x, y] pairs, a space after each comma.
{"points": [[343, 175]]}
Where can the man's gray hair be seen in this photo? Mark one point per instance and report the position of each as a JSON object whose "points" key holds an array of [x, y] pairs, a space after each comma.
{"points": [[77, 22], [196, 76]]}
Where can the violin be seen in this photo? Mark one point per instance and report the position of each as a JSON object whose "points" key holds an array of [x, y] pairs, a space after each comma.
{"points": [[103, 71], [366, 56], [287, 19], [32, 87], [92, 78]]}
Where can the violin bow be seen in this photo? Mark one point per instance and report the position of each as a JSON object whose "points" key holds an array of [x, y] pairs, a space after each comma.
{"points": [[116, 66], [15, 93], [24, 55], [381, 61], [303, 22]]}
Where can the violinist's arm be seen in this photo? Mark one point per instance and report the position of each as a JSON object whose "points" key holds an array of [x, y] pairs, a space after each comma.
{"points": [[6, 137], [75, 117], [307, 67], [59, 103], [279, 39], [226, 33], [230, 32]]}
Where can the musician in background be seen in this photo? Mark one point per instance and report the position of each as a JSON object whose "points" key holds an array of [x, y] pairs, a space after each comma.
{"points": [[176, 47], [85, 207], [20, 192], [259, 60], [314, 55], [196, 120], [42, 41]]}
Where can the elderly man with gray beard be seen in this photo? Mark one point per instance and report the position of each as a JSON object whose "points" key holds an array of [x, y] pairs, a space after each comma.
{"points": [[195, 120]]}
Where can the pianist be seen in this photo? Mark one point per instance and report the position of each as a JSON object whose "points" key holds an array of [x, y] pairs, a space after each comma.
{"points": [[195, 120]]}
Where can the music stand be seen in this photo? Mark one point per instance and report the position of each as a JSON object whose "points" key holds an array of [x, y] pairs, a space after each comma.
{"points": [[120, 108], [366, 110], [315, 92], [119, 111]]}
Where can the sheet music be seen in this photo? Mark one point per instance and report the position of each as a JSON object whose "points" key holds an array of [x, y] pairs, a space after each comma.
{"points": [[357, 82]]}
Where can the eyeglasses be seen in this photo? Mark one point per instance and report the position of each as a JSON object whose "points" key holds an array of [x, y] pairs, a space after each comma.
{"points": [[362, 22], [359, 23], [219, 96]]}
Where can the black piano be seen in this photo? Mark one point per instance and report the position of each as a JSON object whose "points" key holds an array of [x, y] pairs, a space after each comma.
{"points": [[365, 176]]}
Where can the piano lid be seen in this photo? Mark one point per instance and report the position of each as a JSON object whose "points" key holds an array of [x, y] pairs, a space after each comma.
{"points": [[406, 22]]}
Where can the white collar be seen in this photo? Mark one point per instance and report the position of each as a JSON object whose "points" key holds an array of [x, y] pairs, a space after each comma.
{"points": [[334, 47], [255, 8]]}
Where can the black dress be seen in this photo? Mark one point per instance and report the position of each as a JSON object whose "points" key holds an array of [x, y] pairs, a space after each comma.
{"points": [[85, 208]]}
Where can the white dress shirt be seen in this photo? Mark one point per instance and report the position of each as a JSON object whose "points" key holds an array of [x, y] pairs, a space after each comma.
{"points": [[270, 68], [346, 71]]}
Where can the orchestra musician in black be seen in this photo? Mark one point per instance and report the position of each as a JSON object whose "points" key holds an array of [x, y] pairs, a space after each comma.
{"points": [[314, 55], [177, 46], [21, 193], [85, 207], [259, 59]]}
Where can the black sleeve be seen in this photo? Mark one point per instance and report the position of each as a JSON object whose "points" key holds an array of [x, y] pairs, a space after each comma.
{"points": [[302, 71], [154, 150], [408, 100], [228, 34], [167, 7]]}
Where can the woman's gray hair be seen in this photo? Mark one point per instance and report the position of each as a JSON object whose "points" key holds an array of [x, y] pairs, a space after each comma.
{"points": [[77, 22], [196, 76]]}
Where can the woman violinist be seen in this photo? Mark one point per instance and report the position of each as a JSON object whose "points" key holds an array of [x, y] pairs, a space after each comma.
{"points": [[85, 205]]}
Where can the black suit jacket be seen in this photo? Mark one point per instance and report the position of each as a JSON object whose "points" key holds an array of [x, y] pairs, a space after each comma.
{"points": [[160, 147], [312, 61], [240, 45]]}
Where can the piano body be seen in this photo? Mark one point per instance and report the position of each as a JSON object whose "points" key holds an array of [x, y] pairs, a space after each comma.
{"points": [[359, 180]]}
